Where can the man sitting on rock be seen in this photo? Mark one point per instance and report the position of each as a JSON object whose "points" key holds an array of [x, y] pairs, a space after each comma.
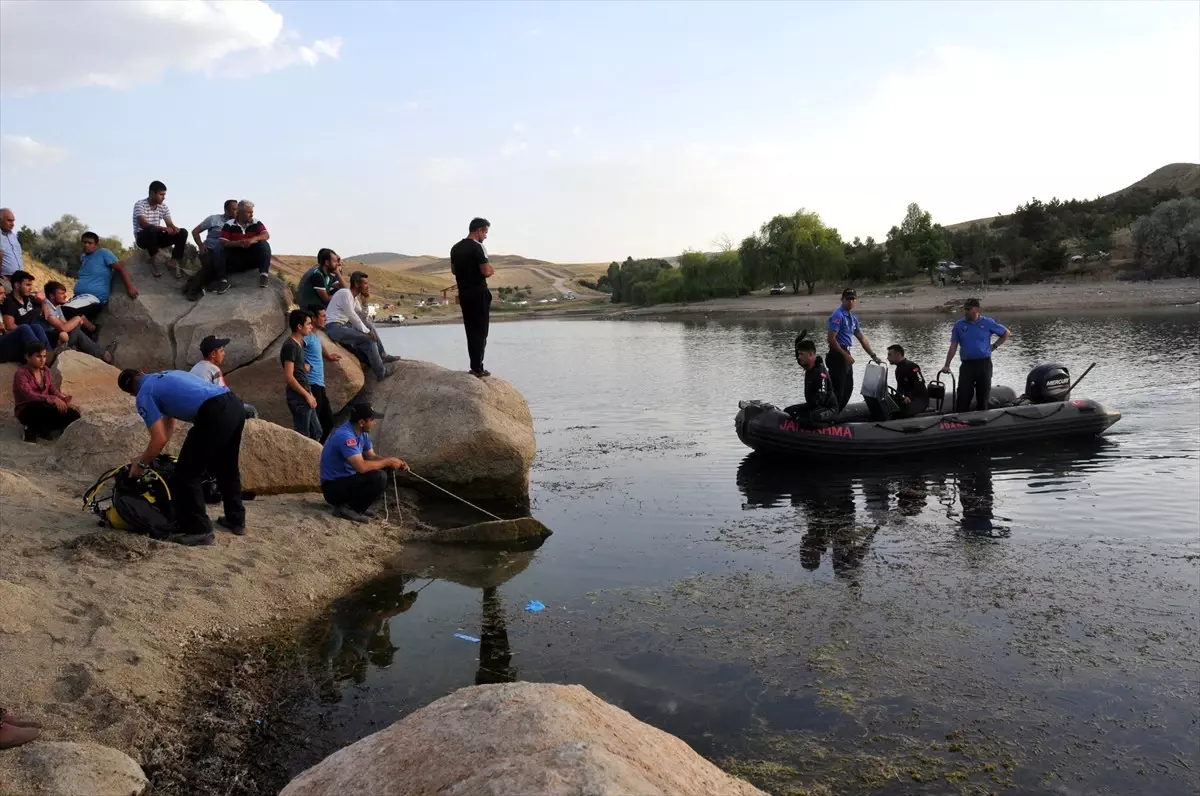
{"points": [[346, 328], [210, 248], [93, 286], [352, 476], [212, 446], [14, 344], [22, 316], [153, 229], [244, 239], [212, 353], [70, 332], [319, 282], [361, 301]]}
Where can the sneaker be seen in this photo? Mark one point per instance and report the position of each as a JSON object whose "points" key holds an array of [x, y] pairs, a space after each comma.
{"points": [[196, 296], [236, 530], [262, 280], [391, 358], [479, 374], [347, 513], [222, 286]]}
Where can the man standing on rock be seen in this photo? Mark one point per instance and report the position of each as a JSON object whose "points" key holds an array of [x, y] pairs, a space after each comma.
{"points": [[212, 445], [843, 328], [470, 266], [153, 229], [352, 476], [297, 393], [11, 258]]}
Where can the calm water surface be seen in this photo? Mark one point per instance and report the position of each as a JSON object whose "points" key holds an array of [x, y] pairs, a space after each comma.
{"points": [[991, 621]]}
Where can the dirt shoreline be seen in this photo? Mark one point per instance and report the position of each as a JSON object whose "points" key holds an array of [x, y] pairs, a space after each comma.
{"points": [[101, 630], [1068, 298]]}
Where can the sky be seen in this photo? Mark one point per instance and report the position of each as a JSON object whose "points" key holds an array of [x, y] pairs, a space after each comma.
{"points": [[585, 132]]}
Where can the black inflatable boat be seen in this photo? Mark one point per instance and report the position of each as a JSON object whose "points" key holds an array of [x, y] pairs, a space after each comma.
{"points": [[1044, 412]]}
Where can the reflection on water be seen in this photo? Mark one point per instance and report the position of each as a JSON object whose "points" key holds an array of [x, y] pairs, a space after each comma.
{"points": [[723, 597]]}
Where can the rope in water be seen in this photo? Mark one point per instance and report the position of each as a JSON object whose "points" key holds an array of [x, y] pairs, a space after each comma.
{"points": [[451, 494]]}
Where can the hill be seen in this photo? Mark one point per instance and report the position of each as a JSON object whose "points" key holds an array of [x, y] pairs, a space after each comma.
{"points": [[542, 278], [1181, 177], [375, 258], [391, 286]]}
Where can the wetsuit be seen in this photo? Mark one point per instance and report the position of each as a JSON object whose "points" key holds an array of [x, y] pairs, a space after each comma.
{"points": [[820, 404], [911, 384]]}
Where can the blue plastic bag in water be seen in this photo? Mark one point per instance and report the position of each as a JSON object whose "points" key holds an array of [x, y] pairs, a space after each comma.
{"points": [[465, 637], [535, 605]]}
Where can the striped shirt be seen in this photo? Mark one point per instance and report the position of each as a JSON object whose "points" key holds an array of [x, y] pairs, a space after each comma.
{"points": [[235, 230], [154, 215]]}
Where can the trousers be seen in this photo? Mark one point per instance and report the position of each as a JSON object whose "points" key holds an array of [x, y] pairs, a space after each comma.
{"points": [[212, 447], [974, 379], [41, 418], [12, 344], [324, 410], [476, 304], [841, 377], [356, 491], [361, 344], [158, 238], [304, 417]]}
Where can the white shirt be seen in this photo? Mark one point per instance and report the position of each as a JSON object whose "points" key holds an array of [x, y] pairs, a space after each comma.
{"points": [[341, 309], [209, 372]]}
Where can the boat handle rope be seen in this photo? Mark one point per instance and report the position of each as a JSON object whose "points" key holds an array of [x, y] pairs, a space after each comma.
{"points": [[975, 421]]}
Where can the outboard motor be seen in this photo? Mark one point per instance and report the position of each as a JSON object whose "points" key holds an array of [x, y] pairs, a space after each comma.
{"points": [[1047, 384]]}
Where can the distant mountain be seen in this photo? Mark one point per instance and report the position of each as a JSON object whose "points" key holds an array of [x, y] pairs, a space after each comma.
{"points": [[1183, 177], [376, 258]]}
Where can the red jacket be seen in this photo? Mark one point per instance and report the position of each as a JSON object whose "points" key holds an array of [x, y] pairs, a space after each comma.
{"points": [[26, 390]]}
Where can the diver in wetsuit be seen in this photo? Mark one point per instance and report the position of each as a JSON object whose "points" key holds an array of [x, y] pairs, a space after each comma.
{"points": [[912, 396], [820, 404]]}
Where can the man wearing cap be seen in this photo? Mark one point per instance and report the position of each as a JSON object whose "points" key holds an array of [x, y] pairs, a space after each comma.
{"points": [[352, 476], [212, 445], [843, 328], [974, 332], [212, 352]]}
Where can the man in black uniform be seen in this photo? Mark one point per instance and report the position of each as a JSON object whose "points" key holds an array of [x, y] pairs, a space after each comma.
{"points": [[820, 404], [912, 395], [470, 266]]}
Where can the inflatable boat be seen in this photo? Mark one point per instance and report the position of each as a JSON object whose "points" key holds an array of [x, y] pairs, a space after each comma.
{"points": [[861, 430]]}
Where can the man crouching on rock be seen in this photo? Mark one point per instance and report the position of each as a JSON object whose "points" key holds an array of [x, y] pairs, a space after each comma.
{"points": [[352, 476], [212, 445]]}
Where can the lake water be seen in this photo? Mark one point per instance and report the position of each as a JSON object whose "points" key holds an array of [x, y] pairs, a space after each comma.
{"points": [[1010, 620]]}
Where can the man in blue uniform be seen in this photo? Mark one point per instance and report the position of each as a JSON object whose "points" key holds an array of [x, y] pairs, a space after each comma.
{"points": [[843, 328], [212, 445], [352, 476], [973, 333]]}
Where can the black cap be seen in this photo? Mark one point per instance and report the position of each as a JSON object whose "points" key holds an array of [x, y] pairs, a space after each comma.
{"points": [[363, 412], [971, 302], [849, 293], [212, 343], [126, 379]]}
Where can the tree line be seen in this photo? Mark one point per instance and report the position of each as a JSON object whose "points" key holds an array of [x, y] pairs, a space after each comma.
{"points": [[1035, 240]]}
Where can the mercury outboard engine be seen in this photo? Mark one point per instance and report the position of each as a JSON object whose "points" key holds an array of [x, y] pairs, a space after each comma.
{"points": [[1047, 384]]}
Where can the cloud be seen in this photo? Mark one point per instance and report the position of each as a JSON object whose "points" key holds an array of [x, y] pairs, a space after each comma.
{"points": [[576, 131], [518, 127], [22, 151], [120, 44], [513, 146], [443, 171]]}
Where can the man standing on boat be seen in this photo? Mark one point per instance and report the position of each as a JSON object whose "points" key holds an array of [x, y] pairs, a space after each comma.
{"points": [[843, 328], [974, 332]]}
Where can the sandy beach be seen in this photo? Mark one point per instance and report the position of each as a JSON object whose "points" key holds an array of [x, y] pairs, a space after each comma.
{"points": [[1048, 297]]}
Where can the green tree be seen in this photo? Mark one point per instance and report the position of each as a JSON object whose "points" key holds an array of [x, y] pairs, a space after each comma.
{"points": [[1167, 240], [917, 245], [58, 245], [27, 238], [800, 250], [866, 262]]}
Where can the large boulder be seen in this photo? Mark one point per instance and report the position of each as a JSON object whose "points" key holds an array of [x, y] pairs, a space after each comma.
{"points": [[261, 382], [518, 738], [161, 329], [273, 459], [91, 383], [61, 768], [251, 317], [471, 436], [145, 326]]}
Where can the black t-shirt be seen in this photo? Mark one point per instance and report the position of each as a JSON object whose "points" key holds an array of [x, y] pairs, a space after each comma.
{"points": [[909, 381], [22, 312], [465, 258], [817, 392], [294, 352]]}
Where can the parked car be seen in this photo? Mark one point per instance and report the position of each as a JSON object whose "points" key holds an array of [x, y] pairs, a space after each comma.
{"points": [[778, 288], [396, 318]]}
